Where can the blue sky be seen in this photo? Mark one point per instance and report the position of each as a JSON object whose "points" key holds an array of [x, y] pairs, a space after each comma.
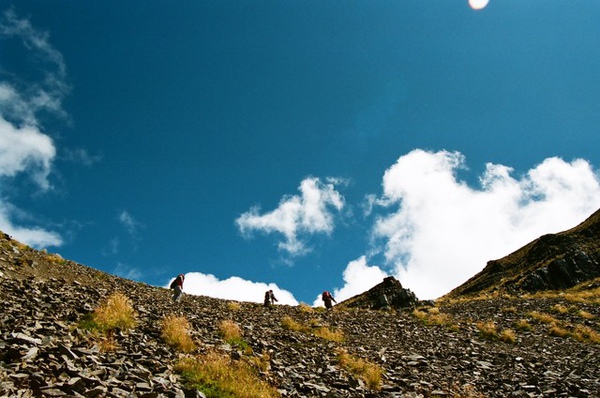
{"points": [[297, 145]]}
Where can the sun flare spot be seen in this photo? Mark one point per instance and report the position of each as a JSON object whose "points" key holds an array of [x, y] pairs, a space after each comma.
{"points": [[478, 4]]}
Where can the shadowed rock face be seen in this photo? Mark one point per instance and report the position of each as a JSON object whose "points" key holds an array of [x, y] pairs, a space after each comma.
{"points": [[388, 294], [551, 262], [45, 353]]}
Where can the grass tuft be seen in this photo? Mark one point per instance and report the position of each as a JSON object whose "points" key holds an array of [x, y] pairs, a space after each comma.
{"points": [[558, 331], [433, 316], [586, 315], [487, 330], [232, 335], [523, 324], [508, 336], [560, 309], [115, 313], [217, 376], [542, 317], [314, 327], [328, 334], [290, 324], [585, 333], [369, 372], [175, 332]]}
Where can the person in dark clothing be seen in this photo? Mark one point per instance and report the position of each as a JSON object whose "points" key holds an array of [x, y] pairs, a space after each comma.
{"points": [[269, 298], [327, 299], [177, 286]]}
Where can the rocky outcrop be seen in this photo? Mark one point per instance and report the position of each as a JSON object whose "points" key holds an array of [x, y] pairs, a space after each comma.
{"points": [[551, 262], [44, 352], [386, 295]]}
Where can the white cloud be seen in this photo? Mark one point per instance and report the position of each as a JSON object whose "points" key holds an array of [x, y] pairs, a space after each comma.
{"points": [[24, 148], [297, 216], [233, 288], [358, 278], [32, 236], [444, 231]]}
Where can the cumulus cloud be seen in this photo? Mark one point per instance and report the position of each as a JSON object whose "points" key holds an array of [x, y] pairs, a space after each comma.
{"points": [[297, 216], [233, 288], [24, 147], [358, 278], [440, 231]]}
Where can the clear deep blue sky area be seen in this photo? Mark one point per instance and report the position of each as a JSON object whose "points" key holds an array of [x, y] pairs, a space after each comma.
{"points": [[298, 146]]}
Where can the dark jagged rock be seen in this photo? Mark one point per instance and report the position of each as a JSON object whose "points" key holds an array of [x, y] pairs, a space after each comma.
{"points": [[388, 294], [551, 262]]}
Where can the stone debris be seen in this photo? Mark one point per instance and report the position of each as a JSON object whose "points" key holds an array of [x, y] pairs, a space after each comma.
{"points": [[45, 353]]}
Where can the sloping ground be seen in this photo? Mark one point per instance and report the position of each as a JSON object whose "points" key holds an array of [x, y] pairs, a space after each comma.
{"points": [[554, 261], [440, 352]]}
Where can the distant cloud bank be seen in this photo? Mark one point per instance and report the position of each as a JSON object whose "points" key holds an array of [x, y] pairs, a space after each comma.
{"points": [[233, 288], [436, 231]]}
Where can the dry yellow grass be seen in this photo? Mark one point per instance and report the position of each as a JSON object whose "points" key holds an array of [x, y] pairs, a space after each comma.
{"points": [[305, 308], [229, 330], [233, 306], [217, 375], [558, 331], [289, 323], [107, 344], [578, 294], [231, 333], [585, 333], [115, 312], [261, 362], [560, 309], [542, 317], [314, 327], [369, 372], [508, 336], [586, 315], [434, 317], [175, 331], [329, 334], [522, 324], [487, 330], [420, 315]]}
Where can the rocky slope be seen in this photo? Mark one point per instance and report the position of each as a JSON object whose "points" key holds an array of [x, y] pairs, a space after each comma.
{"points": [[434, 352], [553, 261]]}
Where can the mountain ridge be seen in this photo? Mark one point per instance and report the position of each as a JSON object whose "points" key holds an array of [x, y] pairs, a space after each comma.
{"points": [[550, 262], [464, 347]]}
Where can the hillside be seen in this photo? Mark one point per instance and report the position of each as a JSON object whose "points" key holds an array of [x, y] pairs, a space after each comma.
{"points": [[551, 262], [533, 346]]}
